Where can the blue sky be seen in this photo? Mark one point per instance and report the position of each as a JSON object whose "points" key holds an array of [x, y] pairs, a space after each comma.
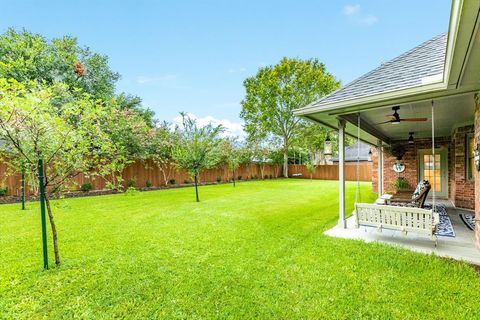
{"points": [[194, 55]]}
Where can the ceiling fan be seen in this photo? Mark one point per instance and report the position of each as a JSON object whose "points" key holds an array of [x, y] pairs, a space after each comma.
{"points": [[395, 117]]}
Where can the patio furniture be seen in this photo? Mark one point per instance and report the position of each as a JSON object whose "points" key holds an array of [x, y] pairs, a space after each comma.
{"points": [[417, 199], [400, 218]]}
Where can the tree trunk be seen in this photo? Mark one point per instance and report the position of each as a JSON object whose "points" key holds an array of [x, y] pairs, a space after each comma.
{"points": [[54, 230], [233, 177], [285, 158], [262, 171], [196, 188]]}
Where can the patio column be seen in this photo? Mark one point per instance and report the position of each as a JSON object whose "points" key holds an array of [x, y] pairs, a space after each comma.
{"points": [[341, 174], [380, 168]]}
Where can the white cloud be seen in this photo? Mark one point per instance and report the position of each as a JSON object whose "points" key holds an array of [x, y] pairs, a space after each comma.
{"points": [[350, 9], [355, 15], [232, 129], [369, 20]]}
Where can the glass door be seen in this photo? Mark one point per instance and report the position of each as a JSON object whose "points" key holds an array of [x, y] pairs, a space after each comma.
{"points": [[435, 170]]}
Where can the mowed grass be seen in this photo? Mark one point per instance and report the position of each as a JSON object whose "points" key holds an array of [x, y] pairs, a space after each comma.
{"points": [[254, 251]]}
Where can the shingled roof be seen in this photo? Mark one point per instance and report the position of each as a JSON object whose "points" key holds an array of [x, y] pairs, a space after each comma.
{"points": [[422, 64]]}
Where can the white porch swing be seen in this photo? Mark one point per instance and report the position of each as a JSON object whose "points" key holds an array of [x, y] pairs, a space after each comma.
{"points": [[400, 218]]}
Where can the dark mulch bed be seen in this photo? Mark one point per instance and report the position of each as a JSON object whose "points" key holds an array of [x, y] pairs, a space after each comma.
{"points": [[79, 194]]}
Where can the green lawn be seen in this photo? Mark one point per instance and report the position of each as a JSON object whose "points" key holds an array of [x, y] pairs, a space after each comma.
{"points": [[254, 251]]}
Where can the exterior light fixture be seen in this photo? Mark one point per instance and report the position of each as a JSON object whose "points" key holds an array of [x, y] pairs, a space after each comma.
{"points": [[410, 138], [327, 148], [370, 155]]}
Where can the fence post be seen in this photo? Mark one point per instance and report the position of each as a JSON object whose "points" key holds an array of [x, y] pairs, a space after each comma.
{"points": [[41, 182]]}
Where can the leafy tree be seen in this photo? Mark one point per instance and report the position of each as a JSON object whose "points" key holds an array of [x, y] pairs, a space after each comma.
{"points": [[233, 157], [311, 167], [70, 140], [26, 56], [197, 149], [160, 146], [134, 103], [275, 91]]}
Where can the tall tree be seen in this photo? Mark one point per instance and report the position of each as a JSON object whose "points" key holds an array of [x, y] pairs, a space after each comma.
{"points": [[275, 91], [26, 56], [197, 149], [70, 140]]}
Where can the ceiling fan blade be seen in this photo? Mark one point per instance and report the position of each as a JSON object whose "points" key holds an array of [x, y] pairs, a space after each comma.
{"points": [[414, 119], [389, 121]]}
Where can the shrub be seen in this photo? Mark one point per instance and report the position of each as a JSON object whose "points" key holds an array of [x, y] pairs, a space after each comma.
{"points": [[186, 181], [110, 186], [270, 176], [400, 183], [239, 178], [172, 181], [265, 176], [132, 183], [3, 191], [148, 184], [254, 177], [131, 191], [219, 179], [86, 187]]}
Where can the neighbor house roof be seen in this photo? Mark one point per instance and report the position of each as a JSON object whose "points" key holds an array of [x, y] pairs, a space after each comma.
{"points": [[421, 65], [351, 152]]}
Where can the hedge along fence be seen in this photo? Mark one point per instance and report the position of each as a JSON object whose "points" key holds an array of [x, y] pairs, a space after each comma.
{"points": [[141, 172], [330, 172]]}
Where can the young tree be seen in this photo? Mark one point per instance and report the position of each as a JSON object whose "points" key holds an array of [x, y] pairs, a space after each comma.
{"points": [[160, 145], [69, 139], [275, 91], [197, 149], [232, 155], [311, 167]]}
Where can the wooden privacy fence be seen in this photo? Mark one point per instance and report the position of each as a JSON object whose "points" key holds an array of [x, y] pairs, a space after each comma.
{"points": [[330, 172], [147, 173]]}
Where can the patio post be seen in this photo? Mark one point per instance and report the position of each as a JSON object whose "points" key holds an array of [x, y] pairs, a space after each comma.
{"points": [[380, 168], [341, 174]]}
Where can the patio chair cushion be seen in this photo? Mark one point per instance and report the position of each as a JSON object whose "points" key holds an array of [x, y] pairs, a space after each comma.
{"points": [[422, 185]]}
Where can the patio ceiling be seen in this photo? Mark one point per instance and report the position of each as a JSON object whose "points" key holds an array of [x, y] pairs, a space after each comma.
{"points": [[450, 113]]}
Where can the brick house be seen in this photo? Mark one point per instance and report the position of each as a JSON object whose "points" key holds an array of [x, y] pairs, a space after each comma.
{"points": [[427, 97]]}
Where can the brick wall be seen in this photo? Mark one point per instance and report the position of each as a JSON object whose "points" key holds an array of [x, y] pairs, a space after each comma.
{"points": [[462, 190], [410, 159]]}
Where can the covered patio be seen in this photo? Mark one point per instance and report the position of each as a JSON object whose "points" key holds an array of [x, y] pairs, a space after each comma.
{"points": [[460, 247], [426, 103]]}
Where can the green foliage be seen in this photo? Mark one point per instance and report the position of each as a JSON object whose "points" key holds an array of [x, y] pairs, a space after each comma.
{"points": [[186, 181], [174, 253], [401, 183], [276, 91], [132, 183], [219, 179], [197, 148], [131, 191], [148, 184], [25, 57], [172, 181], [3, 191], [86, 187]]}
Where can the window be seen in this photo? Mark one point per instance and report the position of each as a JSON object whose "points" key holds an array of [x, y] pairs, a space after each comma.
{"points": [[470, 156]]}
